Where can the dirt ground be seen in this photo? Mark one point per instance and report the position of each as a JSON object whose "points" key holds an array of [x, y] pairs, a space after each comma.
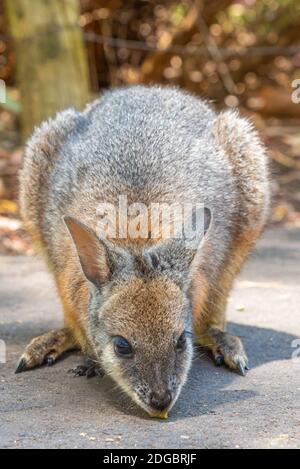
{"points": [[48, 408]]}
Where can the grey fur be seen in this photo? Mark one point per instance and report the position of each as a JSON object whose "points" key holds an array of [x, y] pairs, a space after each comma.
{"points": [[143, 142], [153, 144]]}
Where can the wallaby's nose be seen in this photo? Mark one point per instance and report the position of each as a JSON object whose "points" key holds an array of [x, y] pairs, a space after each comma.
{"points": [[160, 401]]}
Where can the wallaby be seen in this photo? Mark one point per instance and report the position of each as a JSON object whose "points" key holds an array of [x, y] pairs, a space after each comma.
{"points": [[131, 303]]}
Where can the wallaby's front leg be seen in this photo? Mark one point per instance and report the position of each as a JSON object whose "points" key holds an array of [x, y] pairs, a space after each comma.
{"points": [[210, 332], [210, 317], [46, 349]]}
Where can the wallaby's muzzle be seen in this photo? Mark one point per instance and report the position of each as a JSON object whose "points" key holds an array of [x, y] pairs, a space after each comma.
{"points": [[160, 401]]}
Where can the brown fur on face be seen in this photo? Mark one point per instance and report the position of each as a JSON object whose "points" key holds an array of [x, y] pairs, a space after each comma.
{"points": [[151, 315], [140, 296]]}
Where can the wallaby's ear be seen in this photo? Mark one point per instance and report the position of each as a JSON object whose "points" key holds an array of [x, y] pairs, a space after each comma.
{"points": [[175, 256], [92, 252]]}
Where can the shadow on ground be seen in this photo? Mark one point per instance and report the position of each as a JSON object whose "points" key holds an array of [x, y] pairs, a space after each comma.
{"points": [[203, 389]]}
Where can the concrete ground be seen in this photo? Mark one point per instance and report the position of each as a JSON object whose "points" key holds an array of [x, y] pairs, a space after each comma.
{"points": [[49, 408]]}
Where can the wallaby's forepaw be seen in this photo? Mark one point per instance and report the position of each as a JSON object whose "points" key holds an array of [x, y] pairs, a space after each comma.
{"points": [[227, 350], [89, 369], [233, 355], [45, 349]]}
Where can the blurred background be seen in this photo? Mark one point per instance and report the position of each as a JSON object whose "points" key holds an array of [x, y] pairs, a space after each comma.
{"points": [[57, 53]]}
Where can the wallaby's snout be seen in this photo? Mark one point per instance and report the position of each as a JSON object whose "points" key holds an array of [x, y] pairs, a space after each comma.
{"points": [[161, 400]]}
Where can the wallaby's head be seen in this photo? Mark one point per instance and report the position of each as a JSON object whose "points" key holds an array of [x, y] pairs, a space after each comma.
{"points": [[140, 319]]}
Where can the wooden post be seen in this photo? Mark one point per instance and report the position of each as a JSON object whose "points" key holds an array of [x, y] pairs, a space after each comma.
{"points": [[50, 57]]}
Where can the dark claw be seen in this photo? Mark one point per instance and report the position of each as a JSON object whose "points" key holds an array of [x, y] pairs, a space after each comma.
{"points": [[90, 369], [22, 366], [247, 368], [219, 360], [91, 372], [241, 369], [78, 371], [50, 361]]}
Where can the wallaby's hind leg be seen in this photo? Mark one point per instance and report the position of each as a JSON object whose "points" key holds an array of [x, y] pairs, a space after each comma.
{"points": [[210, 318], [46, 348]]}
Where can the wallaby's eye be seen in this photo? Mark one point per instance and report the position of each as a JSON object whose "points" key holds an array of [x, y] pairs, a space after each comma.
{"points": [[122, 347], [181, 343]]}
